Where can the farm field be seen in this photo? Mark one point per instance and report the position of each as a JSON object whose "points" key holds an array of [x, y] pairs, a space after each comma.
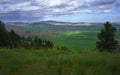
{"points": [[78, 39]]}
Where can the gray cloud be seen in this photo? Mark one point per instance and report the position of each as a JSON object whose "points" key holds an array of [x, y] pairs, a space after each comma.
{"points": [[41, 9]]}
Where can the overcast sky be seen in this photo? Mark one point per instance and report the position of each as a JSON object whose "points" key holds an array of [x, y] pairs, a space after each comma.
{"points": [[60, 10]]}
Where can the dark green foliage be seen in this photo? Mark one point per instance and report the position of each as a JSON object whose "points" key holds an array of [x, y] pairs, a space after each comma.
{"points": [[106, 38], [46, 44], [63, 48], [59, 70], [37, 43], [4, 37], [27, 42], [13, 40]]}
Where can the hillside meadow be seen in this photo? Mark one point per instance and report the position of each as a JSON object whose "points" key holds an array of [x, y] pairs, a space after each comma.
{"points": [[55, 62]]}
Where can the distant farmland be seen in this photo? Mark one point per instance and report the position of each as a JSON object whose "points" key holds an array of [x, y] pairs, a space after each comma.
{"points": [[74, 37]]}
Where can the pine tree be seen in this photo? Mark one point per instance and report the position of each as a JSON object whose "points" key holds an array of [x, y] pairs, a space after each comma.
{"points": [[29, 42], [4, 37], [15, 39], [37, 43], [106, 38]]}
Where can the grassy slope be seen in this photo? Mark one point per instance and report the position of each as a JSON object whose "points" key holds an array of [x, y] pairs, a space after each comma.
{"points": [[37, 62]]}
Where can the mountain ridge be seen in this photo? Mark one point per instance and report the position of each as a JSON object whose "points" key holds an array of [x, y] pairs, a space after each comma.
{"points": [[58, 23], [51, 22]]}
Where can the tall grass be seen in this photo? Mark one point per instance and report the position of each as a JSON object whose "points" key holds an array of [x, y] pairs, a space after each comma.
{"points": [[53, 62]]}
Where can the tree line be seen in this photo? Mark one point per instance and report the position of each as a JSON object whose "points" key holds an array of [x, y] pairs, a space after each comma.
{"points": [[12, 40]]}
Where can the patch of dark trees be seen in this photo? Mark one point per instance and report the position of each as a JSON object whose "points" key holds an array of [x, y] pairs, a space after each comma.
{"points": [[12, 40]]}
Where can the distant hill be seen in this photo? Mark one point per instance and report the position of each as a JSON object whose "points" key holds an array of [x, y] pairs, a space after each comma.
{"points": [[67, 23], [50, 22], [56, 25]]}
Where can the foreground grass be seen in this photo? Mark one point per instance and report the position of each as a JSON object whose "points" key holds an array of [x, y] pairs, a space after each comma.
{"points": [[52, 62]]}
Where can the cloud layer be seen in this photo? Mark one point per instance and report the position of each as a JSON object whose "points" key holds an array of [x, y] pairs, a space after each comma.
{"points": [[34, 10]]}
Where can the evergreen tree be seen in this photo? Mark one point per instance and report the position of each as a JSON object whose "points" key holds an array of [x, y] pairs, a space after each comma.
{"points": [[22, 43], [106, 38], [37, 43], [29, 42], [4, 37], [49, 44], [15, 39]]}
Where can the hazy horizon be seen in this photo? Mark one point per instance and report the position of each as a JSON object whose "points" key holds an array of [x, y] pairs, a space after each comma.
{"points": [[55, 21]]}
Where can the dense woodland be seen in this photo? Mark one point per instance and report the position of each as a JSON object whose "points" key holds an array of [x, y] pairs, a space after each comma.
{"points": [[12, 40]]}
